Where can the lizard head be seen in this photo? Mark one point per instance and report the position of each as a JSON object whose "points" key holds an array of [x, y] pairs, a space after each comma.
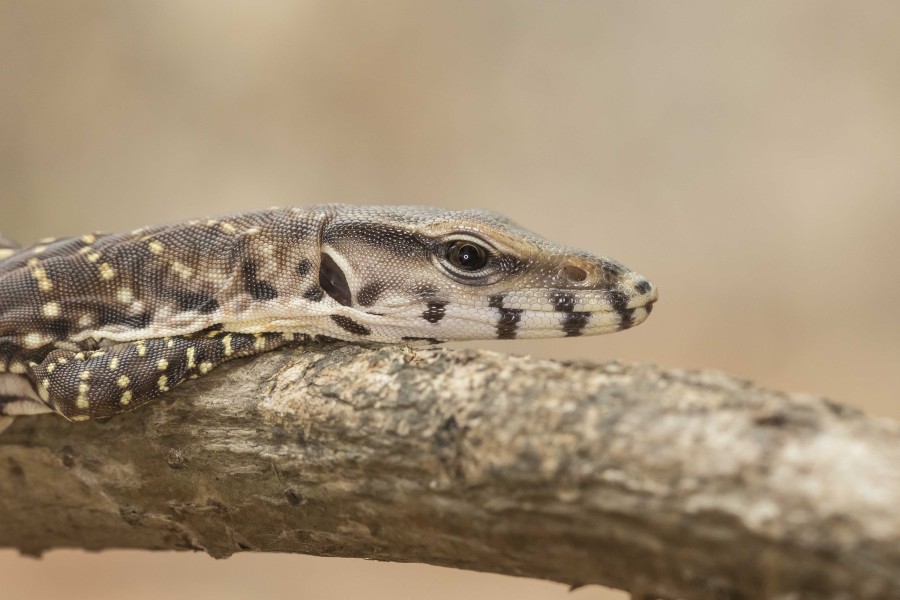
{"points": [[406, 273]]}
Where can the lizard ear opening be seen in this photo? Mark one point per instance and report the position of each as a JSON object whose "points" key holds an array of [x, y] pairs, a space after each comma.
{"points": [[333, 280]]}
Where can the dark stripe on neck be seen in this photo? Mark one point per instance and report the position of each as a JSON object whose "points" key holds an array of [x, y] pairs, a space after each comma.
{"points": [[435, 311], [370, 293], [259, 289], [348, 324]]}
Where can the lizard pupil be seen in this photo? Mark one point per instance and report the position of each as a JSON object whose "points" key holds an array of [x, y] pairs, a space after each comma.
{"points": [[467, 256]]}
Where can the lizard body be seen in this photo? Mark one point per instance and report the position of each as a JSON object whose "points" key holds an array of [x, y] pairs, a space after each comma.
{"points": [[97, 325]]}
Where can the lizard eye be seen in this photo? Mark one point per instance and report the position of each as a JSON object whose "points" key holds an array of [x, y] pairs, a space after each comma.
{"points": [[467, 256], [468, 260]]}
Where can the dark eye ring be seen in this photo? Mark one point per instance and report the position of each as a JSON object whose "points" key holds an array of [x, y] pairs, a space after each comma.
{"points": [[467, 256]]}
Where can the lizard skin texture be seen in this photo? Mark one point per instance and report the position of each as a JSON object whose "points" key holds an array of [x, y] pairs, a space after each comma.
{"points": [[101, 324]]}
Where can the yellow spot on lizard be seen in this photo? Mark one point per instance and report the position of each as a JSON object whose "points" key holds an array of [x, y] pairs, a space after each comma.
{"points": [[106, 271], [182, 270], [226, 342], [34, 340], [40, 275]]}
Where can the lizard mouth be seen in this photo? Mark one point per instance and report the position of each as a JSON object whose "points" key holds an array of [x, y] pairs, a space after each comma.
{"points": [[530, 313], [577, 323], [576, 314], [635, 316], [513, 323]]}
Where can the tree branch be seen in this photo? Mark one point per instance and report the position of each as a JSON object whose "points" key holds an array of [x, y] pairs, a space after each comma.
{"points": [[665, 483]]}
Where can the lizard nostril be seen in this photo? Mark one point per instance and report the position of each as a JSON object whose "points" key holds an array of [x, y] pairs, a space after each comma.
{"points": [[575, 274], [643, 286]]}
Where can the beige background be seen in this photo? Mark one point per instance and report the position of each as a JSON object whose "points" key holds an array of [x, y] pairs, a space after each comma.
{"points": [[744, 156]]}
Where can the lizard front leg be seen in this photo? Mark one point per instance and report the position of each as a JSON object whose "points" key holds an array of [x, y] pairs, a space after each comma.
{"points": [[113, 380], [18, 389]]}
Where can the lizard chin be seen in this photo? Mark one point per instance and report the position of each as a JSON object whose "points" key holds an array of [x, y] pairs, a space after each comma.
{"points": [[506, 323], [534, 324]]}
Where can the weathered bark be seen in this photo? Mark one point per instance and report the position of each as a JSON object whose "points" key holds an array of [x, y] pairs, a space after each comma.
{"points": [[671, 483]]}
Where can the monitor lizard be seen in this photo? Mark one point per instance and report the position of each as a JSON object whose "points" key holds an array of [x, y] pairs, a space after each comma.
{"points": [[101, 324]]}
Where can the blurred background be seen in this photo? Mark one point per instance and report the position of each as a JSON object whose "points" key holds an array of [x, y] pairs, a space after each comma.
{"points": [[743, 156]]}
